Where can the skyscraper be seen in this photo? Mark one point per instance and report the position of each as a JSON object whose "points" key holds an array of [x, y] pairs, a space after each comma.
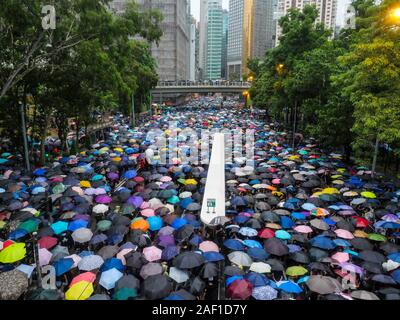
{"points": [[224, 54], [211, 34], [192, 57], [247, 37], [173, 52], [326, 8], [271, 24]]}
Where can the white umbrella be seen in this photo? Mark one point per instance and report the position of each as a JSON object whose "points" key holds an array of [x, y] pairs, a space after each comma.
{"points": [[240, 258], [178, 275], [82, 235], [260, 267], [100, 208]]}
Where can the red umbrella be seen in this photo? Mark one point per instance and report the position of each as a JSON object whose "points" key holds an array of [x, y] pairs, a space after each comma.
{"points": [[47, 242], [240, 290], [266, 233], [361, 222]]}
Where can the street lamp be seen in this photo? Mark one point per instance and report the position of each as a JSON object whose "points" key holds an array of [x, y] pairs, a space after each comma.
{"points": [[280, 67]]}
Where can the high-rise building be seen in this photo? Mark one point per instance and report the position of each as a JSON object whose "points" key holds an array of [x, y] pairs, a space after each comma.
{"points": [[197, 59], [224, 54], [172, 54], [211, 35], [247, 37], [235, 39], [271, 24], [192, 58], [326, 8]]}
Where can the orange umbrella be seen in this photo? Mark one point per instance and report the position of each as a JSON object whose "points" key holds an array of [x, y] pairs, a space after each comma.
{"points": [[87, 276], [140, 224]]}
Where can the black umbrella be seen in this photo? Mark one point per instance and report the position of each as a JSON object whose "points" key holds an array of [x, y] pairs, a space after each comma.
{"points": [[269, 216], [197, 286], [383, 278], [135, 260], [42, 294], [361, 244], [157, 287], [372, 267], [188, 260], [233, 271], [128, 281], [184, 294], [184, 232], [253, 223], [275, 264], [317, 254], [389, 247], [276, 247], [300, 257], [209, 270], [319, 266], [372, 256]]}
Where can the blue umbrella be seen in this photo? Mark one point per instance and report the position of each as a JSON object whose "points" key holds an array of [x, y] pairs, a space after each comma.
{"points": [[155, 223], [185, 202], [394, 257], [63, 265], [351, 252], [287, 223], [329, 221], [110, 277], [196, 240], [169, 253], [390, 225], [59, 227], [232, 279], [282, 234], [98, 238], [39, 172], [258, 253], [252, 244], [85, 253], [17, 234], [130, 174], [211, 256], [294, 248], [238, 201], [234, 244], [112, 263], [289, 287], [240, 219], [323, 243], [257, 279], [396, 276], [303, 279], [174, 297], [298, 216], [178, 223], [341, 243], [77, 224]]}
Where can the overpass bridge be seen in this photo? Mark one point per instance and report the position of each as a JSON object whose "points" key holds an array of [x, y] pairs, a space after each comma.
{"points": [[187, 87]]}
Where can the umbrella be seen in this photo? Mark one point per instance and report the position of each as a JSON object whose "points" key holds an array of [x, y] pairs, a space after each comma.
{"points": [[364, 295], [150, 269], [13, 284], [86, 276], [188, 260], [128, 281], [90, 263], [264, 293], [179, 276], [109, 278], [240, 258], [296, 271], [82, 235], [125, 294], [80, 291], [323, 285], [239, 290], [157, 287], [289, 287], [152, 253], [276, 247], [13, 253], [63, 265]]}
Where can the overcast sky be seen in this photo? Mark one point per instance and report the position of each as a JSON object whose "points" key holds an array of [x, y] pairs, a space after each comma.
{"points": [[195, 6]]}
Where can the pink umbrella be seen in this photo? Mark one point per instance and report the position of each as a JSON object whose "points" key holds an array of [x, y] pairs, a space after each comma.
{"points": [[147, 212], [78, 190], [87, 276], [90, 191], [76, 259], [99, 191], [341, 257], [145, 205], [166, 179], [207, 246], [344, 234], [138, 179], [44, 257], [276, 181], [122, 253], [57, 179], [166, 231], [303, 229], [152, 253], [346, 213]]}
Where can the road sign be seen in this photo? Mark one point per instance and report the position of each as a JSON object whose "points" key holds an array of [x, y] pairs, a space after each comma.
{"points": [[211, 203]]}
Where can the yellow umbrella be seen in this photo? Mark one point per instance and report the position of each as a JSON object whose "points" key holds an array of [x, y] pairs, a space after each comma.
{"points": [[190, 181], [13, 253], [118, 150], [341, 170], [85, 184], [80, 291], [336, 176], [317, 194], [273, 226], [337, 182], [294, 158], [296, 271], [116, 159], [330, 191], [368, 195], [2, 224], [360, 234]]}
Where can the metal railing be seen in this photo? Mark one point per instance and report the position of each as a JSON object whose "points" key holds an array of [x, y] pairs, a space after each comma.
{"points": [[242, 84]]}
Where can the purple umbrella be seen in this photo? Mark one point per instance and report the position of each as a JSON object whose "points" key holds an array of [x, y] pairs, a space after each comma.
{"points": [[165, 241], [294, 248], [113, 176], [81, 217], [352, 268], [135, 201], [98, 238], [166, 231], [169, 253], [103, 199]]}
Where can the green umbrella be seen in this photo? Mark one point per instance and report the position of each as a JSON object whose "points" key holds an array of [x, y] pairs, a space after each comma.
{"points": [[29, 225], [377, 237], [173, 200], [104, 225], [60, 188], [125, 294]]}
